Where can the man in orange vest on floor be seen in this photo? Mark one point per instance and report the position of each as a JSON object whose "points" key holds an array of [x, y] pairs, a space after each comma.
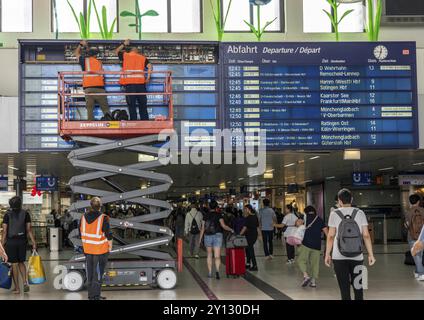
{"points": [[96, 239], [92, 82], [135, 81]]}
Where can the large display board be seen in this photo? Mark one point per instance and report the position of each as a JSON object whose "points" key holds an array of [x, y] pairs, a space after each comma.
{"points": [[323, 95], [195, 77]]}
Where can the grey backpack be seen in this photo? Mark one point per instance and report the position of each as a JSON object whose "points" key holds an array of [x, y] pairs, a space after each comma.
{"points": [[349, 237]]}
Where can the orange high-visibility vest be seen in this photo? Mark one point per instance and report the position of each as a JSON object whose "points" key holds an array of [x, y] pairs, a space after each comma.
{"points": [[93, 238], [133, 62], [93, 80]]}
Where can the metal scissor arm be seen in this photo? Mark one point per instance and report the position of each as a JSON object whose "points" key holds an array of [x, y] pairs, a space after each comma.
{"points": [[159, 209]]}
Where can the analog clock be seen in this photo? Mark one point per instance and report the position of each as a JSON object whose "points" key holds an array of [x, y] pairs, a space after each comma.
{"points": [[381, 52]]}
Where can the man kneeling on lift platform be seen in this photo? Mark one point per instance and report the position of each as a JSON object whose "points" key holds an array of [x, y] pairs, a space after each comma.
{"points": [[92, 82], [133, 61]]}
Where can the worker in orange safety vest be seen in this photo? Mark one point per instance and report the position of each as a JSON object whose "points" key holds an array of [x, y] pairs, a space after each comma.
{"points": [[136, 79], [96, 237], [92, 81]]}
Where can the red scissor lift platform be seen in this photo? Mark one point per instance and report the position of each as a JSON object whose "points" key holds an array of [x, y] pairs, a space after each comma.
{"points": [[70, 127], [98, 138]]}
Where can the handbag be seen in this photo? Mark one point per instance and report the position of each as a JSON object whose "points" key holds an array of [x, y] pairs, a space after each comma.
{"points": [[296, 238], [36, 274], [236, 241], [5, 276]]}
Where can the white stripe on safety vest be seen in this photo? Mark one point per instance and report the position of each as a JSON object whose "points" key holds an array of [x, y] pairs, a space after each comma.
{"points": [[135, 75], [90, 235], [83, 224], [94, 242], [99, 223]]}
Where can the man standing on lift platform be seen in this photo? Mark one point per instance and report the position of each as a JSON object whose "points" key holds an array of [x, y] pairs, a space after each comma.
{"points": [[92, 82], [133, 61]]}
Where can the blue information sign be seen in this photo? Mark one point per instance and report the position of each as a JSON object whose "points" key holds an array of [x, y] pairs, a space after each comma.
{"points": [[47, 183], [323, 95], [361, 178]]}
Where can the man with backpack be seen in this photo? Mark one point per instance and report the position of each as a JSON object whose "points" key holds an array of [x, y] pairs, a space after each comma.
{"points": [[348, 231], [414, 221], [193, 222]]}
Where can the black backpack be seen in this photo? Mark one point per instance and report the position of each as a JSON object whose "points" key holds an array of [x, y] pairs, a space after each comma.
{"points": [[120, 115], [210, 226], [349, 236], [17, 225], [194, 228]]}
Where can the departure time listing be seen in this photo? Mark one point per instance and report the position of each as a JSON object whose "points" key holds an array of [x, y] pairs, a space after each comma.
{"points": [[335, 96]]}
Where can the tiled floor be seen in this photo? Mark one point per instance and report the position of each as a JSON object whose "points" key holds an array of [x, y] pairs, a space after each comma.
{"points": [[388, 279]]}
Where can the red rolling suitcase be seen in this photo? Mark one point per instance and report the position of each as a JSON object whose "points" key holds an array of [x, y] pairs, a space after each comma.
{"points": [[235, 262]]}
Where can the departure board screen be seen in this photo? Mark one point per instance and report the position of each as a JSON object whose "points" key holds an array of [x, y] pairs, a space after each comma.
{"points": [[323, 95], [195, 87]]}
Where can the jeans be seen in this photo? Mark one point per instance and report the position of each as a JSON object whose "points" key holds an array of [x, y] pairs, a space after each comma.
{"points": [[92, 100], [418, 259], [268, 242], [95, 268], [346, 274], [214, 240], [133, 99], [194, 243], [291, 253]]}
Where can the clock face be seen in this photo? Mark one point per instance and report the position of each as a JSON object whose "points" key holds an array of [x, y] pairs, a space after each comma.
{"points": [[381, 52]]}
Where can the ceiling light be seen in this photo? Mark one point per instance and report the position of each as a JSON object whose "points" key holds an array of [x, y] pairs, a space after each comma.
{"points": [[418, 164], [30, 173], [241, 179], [352, 154], [13, 168], [331, 178], [386, 169], [198, 193], [314, 158], [289, 165], [229, 182], [222, 186], [269, 175], [307, 181]]}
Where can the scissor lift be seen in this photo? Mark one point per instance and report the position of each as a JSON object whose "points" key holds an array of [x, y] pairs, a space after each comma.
{"points": [[98, 139]]}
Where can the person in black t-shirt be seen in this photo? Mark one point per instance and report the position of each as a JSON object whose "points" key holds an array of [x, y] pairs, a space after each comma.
{"points": [[251, 230], [16, 229], [310, 250], [212, 228]]}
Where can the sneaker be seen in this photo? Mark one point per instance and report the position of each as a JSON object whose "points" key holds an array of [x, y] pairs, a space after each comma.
{"points": [[288, 262], [271, 257], [306, 282], [268, 258], [421, 278], [210, 275], [313, 284], [255, 268], [196, 256], [26, 288], [248, 266], [217, 276], [416, 275]]}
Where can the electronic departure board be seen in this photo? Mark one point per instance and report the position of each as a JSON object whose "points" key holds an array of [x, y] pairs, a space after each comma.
{"points": [[195, 82], [323, 95]]}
